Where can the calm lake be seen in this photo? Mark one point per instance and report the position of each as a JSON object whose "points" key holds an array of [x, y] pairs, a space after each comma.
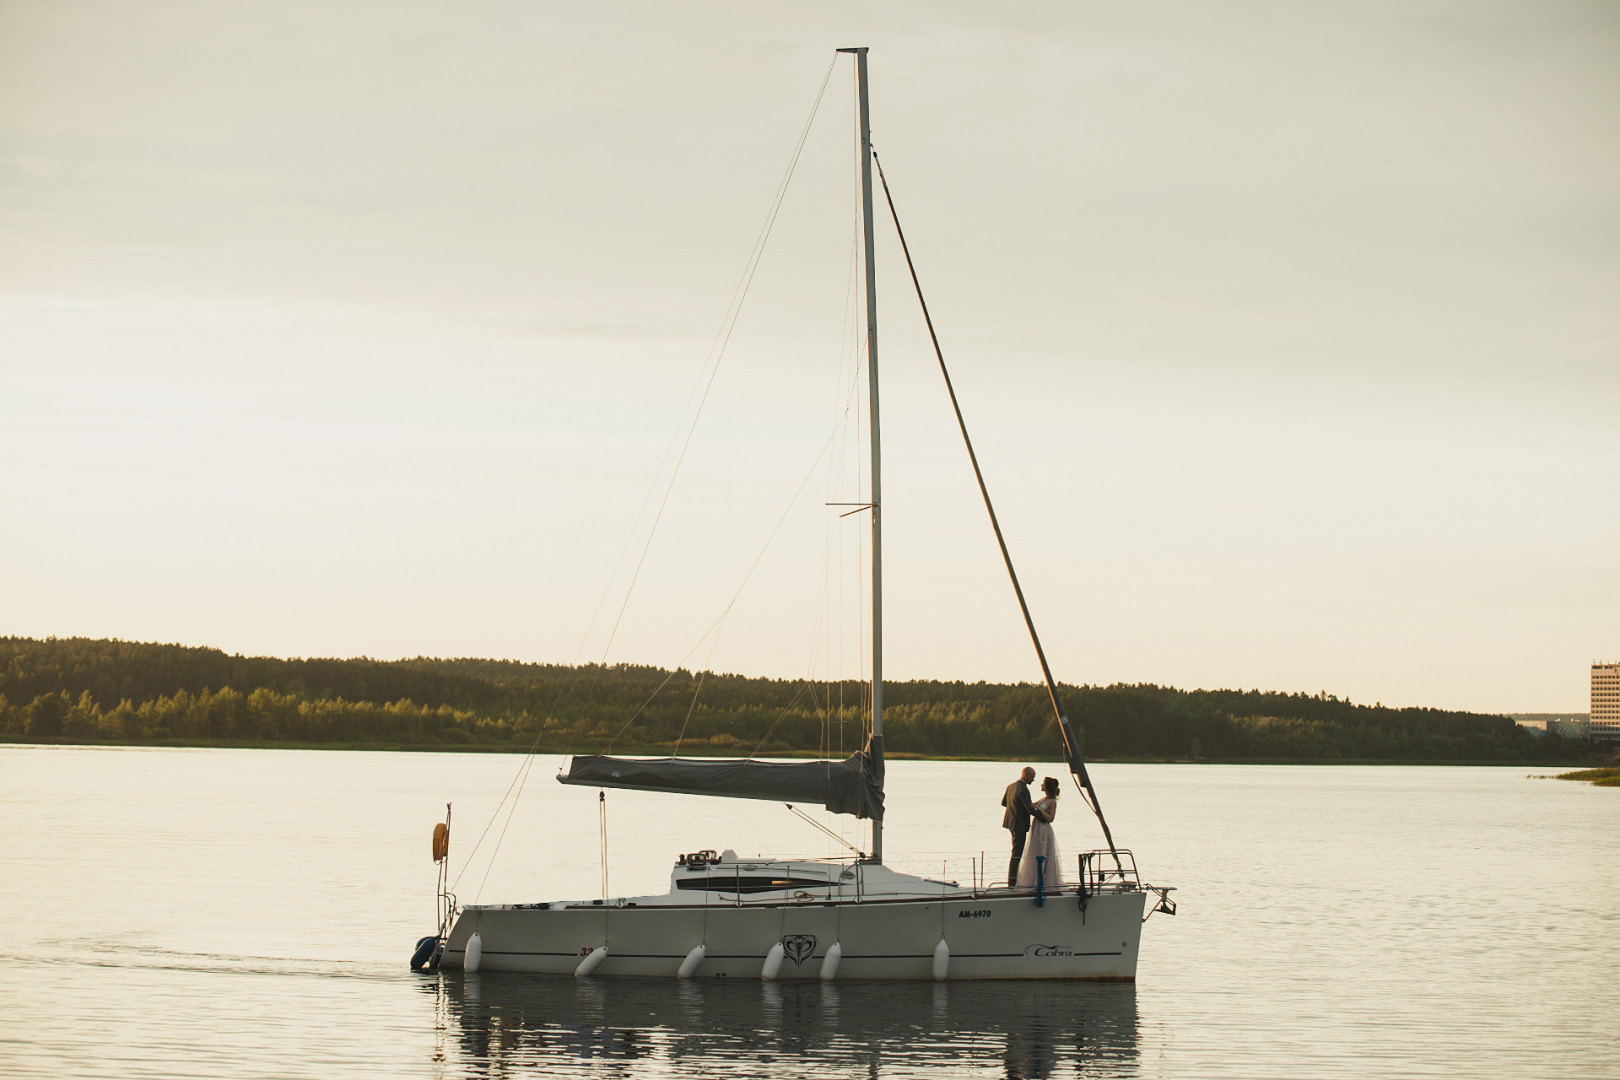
{"points": [[250, 913]]}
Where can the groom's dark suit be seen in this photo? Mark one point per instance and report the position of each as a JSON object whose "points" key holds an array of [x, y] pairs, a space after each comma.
{"points": [[1016, 819]]}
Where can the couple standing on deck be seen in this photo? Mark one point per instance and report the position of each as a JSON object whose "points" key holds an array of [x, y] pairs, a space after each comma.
{"points": [[1032, 821]]}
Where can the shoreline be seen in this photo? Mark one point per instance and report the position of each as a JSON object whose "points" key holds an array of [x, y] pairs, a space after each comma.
{"points": [[109, 692], [659, 751]]}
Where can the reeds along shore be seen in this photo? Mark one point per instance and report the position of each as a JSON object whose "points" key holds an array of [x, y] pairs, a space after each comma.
{"points": [[1599, 777], [79, 689]]}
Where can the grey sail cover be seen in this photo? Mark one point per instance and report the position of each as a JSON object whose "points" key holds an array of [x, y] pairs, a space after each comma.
{"points": [[852, 786]]}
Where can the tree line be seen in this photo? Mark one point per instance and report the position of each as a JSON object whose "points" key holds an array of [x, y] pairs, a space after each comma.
{"points": [[81, 689]]}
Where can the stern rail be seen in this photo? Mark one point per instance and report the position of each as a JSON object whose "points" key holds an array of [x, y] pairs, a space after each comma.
{"points": [[1101, 870]]}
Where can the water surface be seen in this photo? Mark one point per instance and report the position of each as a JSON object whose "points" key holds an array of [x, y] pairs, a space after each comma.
{"points": [[249, 913]]}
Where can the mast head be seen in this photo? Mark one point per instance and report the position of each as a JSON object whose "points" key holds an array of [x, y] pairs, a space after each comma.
{"points": [[855, 49]]}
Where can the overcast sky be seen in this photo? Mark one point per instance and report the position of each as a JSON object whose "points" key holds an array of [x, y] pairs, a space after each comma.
{"points": [[1289, 334]]}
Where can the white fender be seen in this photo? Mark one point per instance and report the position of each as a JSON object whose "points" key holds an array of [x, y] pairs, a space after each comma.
{"points": [[942, 960], [829, 965], [690, 964], [475, 953], [592, 961], [773, 963]]}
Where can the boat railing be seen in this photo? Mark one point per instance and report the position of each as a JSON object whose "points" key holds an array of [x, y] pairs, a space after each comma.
{"points": [[1104, 870], [1098, 871]]}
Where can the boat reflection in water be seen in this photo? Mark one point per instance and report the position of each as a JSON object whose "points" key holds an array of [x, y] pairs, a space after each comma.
{"points": [[496, 1023]]}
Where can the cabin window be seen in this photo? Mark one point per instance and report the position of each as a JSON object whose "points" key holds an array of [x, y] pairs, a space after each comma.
{"points": [[749, 883]]}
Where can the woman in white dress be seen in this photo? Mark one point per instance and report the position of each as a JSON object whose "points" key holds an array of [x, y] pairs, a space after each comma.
{"points": [[1042, 841]]}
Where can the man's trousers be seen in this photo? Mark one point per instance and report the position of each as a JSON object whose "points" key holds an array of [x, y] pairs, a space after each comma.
{"points": [[1018, 854]]}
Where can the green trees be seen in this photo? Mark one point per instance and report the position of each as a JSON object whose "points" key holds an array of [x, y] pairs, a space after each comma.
{"points": [[82, 689], [47, 715]]}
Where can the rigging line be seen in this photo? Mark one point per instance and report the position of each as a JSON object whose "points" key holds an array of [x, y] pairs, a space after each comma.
{"points": [[717, 350], [816, 704], [843, 544], [522, 773], [859, 338], [635, 525], [842, 466], [1076, 764], [656, 691], [843, 424], [524, 770], [690, 709], [781, 190], [837, 476], [806, 817], [716, 354], [848, 347], [495, 816], [658, 473], [822, 616], [733, 313], [825, 618], [866, 598], [721, 618], [804, 685], [852, 401], [524, 765], [824, 603], [840, 426], [718, 628]]}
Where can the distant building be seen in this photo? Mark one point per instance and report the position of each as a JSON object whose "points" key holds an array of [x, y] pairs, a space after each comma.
{"points": [[1605, 714], [1569, 725], [1575, 727]]}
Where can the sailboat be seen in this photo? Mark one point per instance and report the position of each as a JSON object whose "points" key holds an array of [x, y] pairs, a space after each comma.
{"points": [[839, 918]]}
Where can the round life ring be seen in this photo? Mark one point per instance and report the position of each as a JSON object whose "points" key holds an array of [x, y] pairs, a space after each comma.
{"points": [[441, 842]]}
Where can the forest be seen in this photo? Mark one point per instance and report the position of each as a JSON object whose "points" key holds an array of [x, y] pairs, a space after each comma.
{"points": [[82, 690]]}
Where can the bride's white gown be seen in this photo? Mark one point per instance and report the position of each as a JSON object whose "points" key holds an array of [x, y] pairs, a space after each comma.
{"points": [[1042, 841]]}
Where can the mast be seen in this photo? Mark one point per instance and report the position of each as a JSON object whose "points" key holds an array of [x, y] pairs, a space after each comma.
{"points": [[872, 376]]}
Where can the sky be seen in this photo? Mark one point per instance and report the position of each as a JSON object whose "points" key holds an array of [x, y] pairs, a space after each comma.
{"points": [[1289, 336]]}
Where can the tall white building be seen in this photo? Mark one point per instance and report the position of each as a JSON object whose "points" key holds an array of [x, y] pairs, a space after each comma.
{"points": [[1605, 715]]}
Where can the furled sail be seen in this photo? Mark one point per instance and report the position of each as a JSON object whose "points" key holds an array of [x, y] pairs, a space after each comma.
{"points": [[852, 786]]}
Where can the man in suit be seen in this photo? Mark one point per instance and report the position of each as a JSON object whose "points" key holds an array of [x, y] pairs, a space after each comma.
{"points": [[1016, 819]]}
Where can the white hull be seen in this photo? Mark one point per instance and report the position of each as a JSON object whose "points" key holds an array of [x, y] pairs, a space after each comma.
{"points": [[989, 934]]}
